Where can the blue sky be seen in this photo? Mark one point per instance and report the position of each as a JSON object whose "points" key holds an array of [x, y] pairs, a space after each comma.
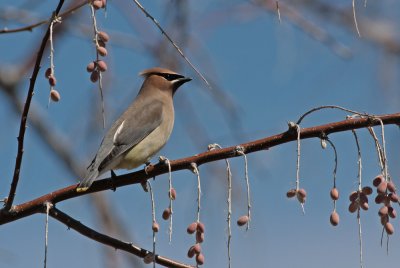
{"points": [[272, 72]]}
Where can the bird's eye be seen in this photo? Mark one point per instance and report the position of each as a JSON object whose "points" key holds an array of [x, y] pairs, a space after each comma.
{"points": [[171, 77]]}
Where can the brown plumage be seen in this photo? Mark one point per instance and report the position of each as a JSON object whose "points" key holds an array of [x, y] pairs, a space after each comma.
{"points": [[142, 130]]}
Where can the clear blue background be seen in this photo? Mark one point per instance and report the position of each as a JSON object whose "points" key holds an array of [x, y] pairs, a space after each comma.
{"points": [[271, 73]]}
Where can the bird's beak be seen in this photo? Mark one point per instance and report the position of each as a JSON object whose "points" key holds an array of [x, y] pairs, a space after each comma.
{"points": [[179, 82], [182, 81]]}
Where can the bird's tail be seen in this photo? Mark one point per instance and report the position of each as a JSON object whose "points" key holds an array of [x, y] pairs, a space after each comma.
{"points": [[91, 175]]}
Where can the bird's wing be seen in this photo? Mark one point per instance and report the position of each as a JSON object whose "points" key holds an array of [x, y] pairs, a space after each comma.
{"points": [[133, 130]]}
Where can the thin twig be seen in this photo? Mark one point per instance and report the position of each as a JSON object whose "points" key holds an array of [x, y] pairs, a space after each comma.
{"points": [[328, 107], [229, 199], [240, 151], [170, 199], [355, 17], [25, 112], [197, 172], [359, 177], [378, 148], [278, 11], [153, 216], [48, 206], [171, 41], [360, 237], [334, 169], [32, 26]]}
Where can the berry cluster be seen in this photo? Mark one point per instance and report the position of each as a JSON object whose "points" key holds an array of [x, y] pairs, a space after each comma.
{"points": [[168, 211], [334, 218], [386, 194], [198, 228], [95, 67], [54, 94], [359, 199], [301, 194]]}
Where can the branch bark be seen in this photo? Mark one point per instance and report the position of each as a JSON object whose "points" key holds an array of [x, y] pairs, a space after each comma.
{"points": [[36, 205], [110, 241]]}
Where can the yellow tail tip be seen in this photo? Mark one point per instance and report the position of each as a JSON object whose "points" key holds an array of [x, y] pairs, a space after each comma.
{"points": [[82, 189]]}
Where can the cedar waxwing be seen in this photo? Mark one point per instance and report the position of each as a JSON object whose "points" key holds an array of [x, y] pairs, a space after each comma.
{"points": [[142, 130]]}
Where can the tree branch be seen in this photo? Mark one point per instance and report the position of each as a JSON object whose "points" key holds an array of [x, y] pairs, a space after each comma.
{"points": [[32, 26], [36, 205], [110, 241], [25, 112]]}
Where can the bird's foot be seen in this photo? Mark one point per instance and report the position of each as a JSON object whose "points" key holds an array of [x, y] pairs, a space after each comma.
{"points": [[113, 179]]}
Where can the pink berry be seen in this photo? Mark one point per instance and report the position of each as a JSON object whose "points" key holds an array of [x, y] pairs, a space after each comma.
{"points": [[200, 259], [90, 67], [192, 228], [54, 95], [334, 194], [243, 220], [334, 219], [166, 213]]}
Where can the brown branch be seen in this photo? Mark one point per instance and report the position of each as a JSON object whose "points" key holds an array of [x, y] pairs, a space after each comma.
{"points": [[32, 26], [110, 241], [25, 112], [36, 205]]}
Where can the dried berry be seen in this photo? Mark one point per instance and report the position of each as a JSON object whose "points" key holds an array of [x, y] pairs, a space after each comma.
{"points": [[362, 198], [155, 227], [378, 180], [334, 218], [382, 187], [101, 43], [54, 95], [383, 211], [148, 258], [353, 207], [200, 259], [103, 36], [353, 196], [334, 194], [94, 77], [380, 198], [392, 212], [394, 197], [389, 228], [291, 193], [200, 227], [367, 190], [197, 248], [172, 194], [166, 213], [301, 195], [48, 73], [192, 228], [97, 4], [364, 205], [102, 51], [191, 252], [52, 80], [243, 220], [90, 67], [384, 219], [199, 237], [102, 66], [391, 187]]}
